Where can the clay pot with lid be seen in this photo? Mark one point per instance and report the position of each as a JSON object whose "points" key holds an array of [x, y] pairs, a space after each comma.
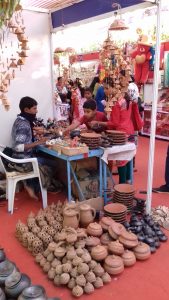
{"points": [[128, 239], [113, 265], [115, 230], [116, 247], [94, 229], [99, 253], [15, 284], [35, 292], [105, 222], [129, 258], [70, 218], [142, 251], [92, 241], [105, 238], [87, 214], [6, 269], [60, 250]]}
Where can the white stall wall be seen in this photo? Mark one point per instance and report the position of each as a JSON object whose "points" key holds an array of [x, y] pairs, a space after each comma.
{"points": [[35, 78]]}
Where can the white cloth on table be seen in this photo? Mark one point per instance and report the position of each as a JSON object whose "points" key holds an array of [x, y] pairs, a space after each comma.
{"points": [[122, 152]]}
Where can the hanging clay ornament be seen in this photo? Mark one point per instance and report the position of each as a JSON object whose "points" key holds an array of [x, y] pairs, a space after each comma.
{"points": [[13, 64], [22, 53], [18, 30], [24, 46]]}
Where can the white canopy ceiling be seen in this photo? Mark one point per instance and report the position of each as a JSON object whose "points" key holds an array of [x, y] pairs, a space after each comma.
{"points": [[48, 4]]}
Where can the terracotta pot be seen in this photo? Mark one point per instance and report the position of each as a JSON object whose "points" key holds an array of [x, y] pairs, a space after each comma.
{"points": [[129, 258], [99, 253], [116, 248], [70, 218], [142, 251], [59, 250], [94, 229], [105, 239], [128, 239], [87, 214], [92, 241], [105, 222], [115, 230], [113, 265]]}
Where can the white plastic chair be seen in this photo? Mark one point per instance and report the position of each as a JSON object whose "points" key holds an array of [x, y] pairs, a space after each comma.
{"points": [[13, 177]]}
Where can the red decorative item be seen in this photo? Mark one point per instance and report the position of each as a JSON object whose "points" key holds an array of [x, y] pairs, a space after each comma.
{"points": [[142, 56], [136, 118]]}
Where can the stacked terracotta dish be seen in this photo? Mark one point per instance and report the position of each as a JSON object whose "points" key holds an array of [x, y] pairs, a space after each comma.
{"points": [[124, 194], [116, 137], [116, 211], [91, 139]]}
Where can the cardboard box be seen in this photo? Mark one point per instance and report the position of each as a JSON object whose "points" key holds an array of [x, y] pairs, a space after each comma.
{"points": [[89, 187]]}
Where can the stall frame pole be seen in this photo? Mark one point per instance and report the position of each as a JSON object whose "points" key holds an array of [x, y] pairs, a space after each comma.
{"points": [[154, 110]]}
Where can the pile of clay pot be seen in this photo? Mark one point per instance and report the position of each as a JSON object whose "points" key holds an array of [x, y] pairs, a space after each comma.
{"points": [[41, 228], [83, 254], [84, 259]]}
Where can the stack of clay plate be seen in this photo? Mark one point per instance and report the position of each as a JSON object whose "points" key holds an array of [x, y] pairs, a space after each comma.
{"points": [[116, 211], [116, 137], [124, 193], [91, 139]]}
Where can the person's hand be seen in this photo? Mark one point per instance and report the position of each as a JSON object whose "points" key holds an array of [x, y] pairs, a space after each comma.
{"points": [[42, 141], [92, 123], [39, 130]]}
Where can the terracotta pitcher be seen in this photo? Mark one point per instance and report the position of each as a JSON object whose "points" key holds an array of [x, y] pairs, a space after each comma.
{"points": [[70, 218], [87, 214]]}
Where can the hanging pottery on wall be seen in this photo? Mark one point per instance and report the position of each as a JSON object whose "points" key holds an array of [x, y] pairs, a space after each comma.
{"points": [[12, 53]]}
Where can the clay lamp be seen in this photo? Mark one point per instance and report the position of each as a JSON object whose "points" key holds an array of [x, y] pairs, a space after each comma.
{"points": [[24, 46], [18, 30], [13, 64], [22, 53]]}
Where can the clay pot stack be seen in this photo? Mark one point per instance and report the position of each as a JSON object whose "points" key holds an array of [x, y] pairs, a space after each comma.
{"points": [[91, 139], [40, 229], [116, 211], [124, 193], [116, 137]]}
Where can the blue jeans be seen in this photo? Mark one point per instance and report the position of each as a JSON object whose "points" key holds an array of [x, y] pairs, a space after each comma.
{"points": [[167, 168]]}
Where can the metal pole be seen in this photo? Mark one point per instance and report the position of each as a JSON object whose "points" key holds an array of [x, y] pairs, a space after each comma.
{"points": [[154, 110]]}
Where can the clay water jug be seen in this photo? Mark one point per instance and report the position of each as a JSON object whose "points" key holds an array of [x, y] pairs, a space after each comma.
{"points": [[87, 215], [70, 218]]}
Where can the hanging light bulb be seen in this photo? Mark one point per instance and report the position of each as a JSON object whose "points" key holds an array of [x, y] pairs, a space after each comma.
{"points": [[118, 23]]}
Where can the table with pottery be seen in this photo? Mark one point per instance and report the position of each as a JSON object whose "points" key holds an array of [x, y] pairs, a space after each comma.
{"points": [[110, 145]]}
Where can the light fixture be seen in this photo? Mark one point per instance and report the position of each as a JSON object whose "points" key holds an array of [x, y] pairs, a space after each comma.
{"points": [[118, 23]]}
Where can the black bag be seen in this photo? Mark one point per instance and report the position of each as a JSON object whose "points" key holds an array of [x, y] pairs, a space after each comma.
{"points": [[10, 166]]}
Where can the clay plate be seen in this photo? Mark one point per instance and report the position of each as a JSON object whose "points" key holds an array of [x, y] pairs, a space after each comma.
{"points": [[115, 208], [90, 135], [118, 132], [124, 188]]}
